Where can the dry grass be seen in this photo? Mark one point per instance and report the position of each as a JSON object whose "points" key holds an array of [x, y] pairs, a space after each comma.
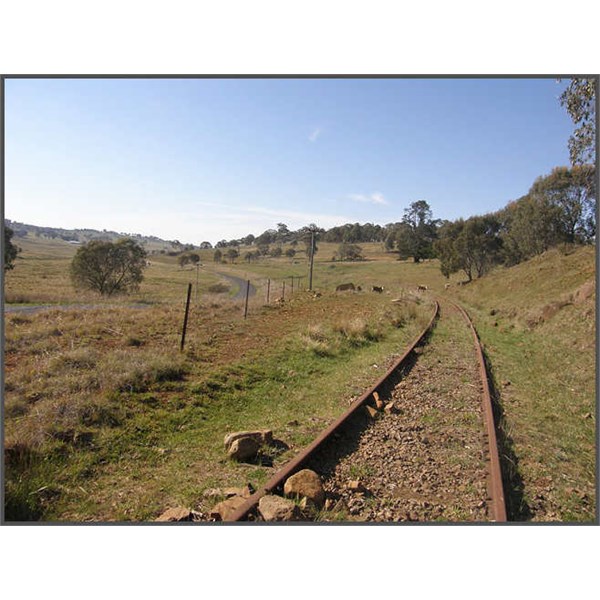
{"points": [[103, 400]]}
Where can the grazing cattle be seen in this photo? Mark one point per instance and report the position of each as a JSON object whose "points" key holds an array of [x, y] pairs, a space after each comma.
{"points": [[377, 288], [422, 288], [345, 286]]}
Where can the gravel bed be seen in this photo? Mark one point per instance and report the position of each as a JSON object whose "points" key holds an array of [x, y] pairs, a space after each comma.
{"points": [[425, 463]]}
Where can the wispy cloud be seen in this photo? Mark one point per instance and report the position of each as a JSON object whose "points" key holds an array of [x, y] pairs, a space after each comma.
{"points": [[374, 198], [314, 134]]}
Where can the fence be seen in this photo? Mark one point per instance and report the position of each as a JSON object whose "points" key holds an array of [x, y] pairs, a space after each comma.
{"points": [[271, 291]]}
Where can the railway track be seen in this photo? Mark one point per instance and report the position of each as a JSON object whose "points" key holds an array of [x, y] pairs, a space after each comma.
{"points": [[432, 458]]}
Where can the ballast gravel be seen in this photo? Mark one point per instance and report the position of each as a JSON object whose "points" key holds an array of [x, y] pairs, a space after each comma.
{"points": [[425, 462]]}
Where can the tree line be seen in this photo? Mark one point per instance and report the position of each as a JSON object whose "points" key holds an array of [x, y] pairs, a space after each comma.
{"points": [[559, 208]]}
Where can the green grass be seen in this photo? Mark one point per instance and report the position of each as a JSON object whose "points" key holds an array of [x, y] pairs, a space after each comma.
{"points": [[119, 432], [105, 419], [543, 363]]}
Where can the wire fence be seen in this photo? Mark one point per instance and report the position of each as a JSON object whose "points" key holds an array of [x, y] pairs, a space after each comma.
{"points": [[252, 295]]}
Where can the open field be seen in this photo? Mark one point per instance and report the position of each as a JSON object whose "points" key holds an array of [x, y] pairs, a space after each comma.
{"points": [[106, 420]]}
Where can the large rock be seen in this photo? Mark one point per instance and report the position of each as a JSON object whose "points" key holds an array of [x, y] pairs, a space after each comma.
{"points": [[224, 510], [176, 514], [243, 448], [305, 484], [262, 436], [276, 508]]}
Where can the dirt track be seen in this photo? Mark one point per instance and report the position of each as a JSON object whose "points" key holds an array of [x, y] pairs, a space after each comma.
{"points": [[241, 284]]}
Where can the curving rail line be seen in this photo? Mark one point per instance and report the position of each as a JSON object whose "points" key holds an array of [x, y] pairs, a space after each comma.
{"points": [[495, 488], [294, 465]]}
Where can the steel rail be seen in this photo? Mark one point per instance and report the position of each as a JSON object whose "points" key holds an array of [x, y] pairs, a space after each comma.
{"points": [[495, 487], [292, 466]]}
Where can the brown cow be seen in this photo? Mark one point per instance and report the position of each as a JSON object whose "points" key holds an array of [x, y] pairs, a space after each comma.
{"points": [[377, 288], [422, 288], [345, 286]]}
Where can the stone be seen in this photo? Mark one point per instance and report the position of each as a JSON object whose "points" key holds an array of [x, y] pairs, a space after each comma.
{"points": [[305, 484], [372, 412], [276, 508], [378, 401], [244, 492], [390, 408], [356, 486], [262, 436], [175, 515], [243, 448], [224, 510]]}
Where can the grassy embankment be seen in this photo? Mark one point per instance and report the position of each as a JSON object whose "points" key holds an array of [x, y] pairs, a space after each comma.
{"points": [[537, 321]]}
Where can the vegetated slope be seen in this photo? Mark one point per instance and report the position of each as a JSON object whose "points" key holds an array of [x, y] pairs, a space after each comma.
{"points": [[537, 321]]}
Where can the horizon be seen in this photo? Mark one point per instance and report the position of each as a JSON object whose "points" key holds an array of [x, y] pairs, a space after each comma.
{"points": [[208, 159]]}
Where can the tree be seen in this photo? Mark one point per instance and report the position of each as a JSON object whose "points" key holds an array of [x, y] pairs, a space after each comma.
{"points": [[417, 232], [580, 101], [282, 232], [446, 248], [478, 245], [473, 245], [183, 260], [573, 192], [529, 226], [232, 254], [267, 237], [263, 249], [309, 235], [109, 267], [10, 250], [350, 252], [218, 256], [276, 252], [290, 252], [205, 246], [194, 258]]}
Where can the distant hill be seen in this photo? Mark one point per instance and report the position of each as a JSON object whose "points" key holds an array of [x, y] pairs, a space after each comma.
{"points": [[82, 236]]}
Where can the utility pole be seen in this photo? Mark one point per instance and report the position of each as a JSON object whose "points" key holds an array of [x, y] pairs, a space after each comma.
{"points": [[312, 255]]}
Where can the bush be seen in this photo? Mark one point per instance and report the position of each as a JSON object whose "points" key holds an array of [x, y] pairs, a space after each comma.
{"points": [[109, 267], [218, 288], [10, 250]]}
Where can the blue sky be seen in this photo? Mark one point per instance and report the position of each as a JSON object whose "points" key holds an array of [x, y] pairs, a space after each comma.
{"points": [[206, 159]]}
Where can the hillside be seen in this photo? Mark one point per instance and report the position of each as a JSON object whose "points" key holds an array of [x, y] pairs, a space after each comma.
{"points": [[538, 321], [152, 243]]}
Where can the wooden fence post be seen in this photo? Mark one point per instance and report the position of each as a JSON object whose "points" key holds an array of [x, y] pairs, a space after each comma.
{"points": [[185, 319], [247, 294], [268, 289]]}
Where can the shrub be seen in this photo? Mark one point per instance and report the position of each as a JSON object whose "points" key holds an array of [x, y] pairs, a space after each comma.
{"points": [[109, 268]]}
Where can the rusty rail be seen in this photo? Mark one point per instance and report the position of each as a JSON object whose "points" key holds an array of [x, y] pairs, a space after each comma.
{"points": [[291, 467], [495, 487]]}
